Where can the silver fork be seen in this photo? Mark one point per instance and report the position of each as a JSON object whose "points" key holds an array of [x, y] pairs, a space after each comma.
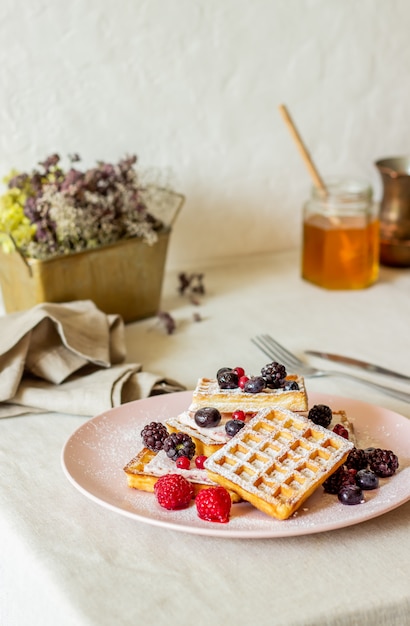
{"points": [[293, 364]]}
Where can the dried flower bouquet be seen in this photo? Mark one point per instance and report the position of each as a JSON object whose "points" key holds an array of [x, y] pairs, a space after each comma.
{"points": [[50, 211]]}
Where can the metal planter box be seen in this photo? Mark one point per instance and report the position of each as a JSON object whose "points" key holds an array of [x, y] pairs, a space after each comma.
{"points": [[124, 277]]}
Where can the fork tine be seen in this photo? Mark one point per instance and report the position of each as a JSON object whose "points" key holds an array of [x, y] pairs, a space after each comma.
{"points": [[258, 341], [277, 352], [283, 352]]}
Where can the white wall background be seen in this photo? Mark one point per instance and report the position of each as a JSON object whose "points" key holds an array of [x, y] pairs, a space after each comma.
{"points": [[192, 87]]}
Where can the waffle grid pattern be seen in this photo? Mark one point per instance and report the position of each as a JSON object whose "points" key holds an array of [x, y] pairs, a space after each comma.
{"points": [[278, 460]]}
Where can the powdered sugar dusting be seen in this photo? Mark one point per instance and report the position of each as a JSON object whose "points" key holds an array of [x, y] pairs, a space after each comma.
{"points": [[95, 454], [161, 464], [208, 393], [278, 458]]}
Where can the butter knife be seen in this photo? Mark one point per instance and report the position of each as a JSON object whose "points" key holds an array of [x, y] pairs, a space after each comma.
{"points": [[363, 365]]}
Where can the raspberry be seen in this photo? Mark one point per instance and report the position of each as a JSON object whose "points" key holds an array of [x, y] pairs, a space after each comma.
{"points": [[173, 491], [153, 435], [213, 504], [384, 463], [179, 444], [357, 459], [320, 414], [274, 374]]}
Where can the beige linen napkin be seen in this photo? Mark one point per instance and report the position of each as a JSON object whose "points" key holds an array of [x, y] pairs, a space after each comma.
{"points": [[69, 358]]}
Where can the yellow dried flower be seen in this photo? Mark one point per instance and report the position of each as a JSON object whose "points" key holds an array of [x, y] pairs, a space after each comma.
{"points": [[14, 225]]}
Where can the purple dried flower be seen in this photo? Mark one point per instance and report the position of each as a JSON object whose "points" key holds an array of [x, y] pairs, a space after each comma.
{"points": [[50, 162], [18, 182], [191, 285], [167, 321], [75, 210]]}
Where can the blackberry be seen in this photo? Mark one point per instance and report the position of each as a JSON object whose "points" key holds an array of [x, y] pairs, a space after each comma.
{"points": [[357, 459], [153, 435], [179, 444], [338, 479], [321, 415], [384, 463], [274, 374]]}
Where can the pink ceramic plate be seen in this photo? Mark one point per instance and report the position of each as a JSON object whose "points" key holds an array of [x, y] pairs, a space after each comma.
{"points": [[95, 454]]}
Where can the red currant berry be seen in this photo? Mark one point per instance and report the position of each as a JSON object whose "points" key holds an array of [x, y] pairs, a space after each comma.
{"points": [[339, 429], [183, 462], [240, 371], [200, 460], [239, 415], [242, 381]]}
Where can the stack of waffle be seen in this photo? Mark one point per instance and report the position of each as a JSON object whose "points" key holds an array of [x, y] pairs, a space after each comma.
{"points": [[275, 461]]}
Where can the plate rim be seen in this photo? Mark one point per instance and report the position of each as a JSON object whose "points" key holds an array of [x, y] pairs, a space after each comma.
{"points": [[214, 529]]}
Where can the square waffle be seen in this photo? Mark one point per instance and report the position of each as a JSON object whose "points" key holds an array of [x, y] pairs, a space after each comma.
{"points": [[209, 440], [278, 460], [208, 393], [147, 466]]}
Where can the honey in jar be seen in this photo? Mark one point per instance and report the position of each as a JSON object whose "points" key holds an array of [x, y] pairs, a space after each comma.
{"points": [[341, 236]]}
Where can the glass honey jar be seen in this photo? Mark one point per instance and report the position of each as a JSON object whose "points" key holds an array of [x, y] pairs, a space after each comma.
{"points": [[341, 236]]}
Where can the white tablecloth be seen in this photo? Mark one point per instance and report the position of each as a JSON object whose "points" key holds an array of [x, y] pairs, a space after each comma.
{"points": [[65, 560]]}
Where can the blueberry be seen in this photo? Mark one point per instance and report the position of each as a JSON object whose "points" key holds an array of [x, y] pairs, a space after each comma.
{"points": [[350, 494], [222, 370], [207, 417], [233, 426], [367, 479], [291, 385], [256, 384], [228, 380], [368, 451]]}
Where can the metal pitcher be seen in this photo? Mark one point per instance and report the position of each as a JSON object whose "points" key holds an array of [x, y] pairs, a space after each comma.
{"points": [[395, 211]]}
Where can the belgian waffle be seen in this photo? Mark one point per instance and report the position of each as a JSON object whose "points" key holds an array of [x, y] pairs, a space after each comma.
{"points": [[278, 460], [147, 466], [208, 393], [209, 440]]}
